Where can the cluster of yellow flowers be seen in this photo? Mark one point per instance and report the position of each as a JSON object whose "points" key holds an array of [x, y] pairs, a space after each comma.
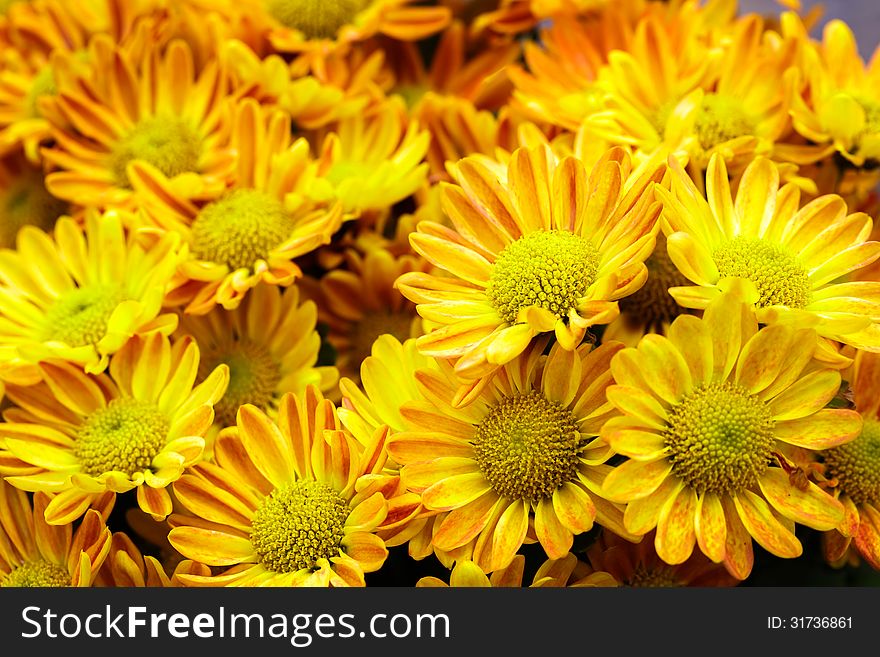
{"points": [[563, 292]]}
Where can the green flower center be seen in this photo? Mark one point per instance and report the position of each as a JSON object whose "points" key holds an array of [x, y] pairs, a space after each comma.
{"points": [[170, 144], [253, 378], [240, 229], [27, 202], [720, 438], [36, 574], [651, 305], [661, 577], [298, 524], [528, 446], [780, 278], [124, 436], [549, 268], [721, 118], [317, 19], [43, 84], [365, 332], [856, 465], [80, 317]]}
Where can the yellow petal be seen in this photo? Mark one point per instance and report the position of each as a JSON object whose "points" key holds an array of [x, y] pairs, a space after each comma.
{"points": [[828, 428], [211, 547], [675, 536], [764, 527], [812, 506]]}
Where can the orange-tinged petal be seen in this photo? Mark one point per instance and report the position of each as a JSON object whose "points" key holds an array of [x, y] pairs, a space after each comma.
{"points": [[641, 515], [554, 537], [367, 549], [455, 491], [692, 259], [155, 501], [638, 444], [468, 574], [828, 428], [770, 534], [807, 396], [265, 444], [462, 525], [710, 526], [739, 556], [812, 506], [510, 532], [574, 508], [634, 479], [691, 337], [211, 547], [675, 536], [636, 402]]}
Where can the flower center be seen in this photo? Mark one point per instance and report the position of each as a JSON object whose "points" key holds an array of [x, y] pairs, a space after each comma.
{"points": [[80, 317], [365, 332], [552, 269], [240, 229], [298, 524], [856, 465], [317, 19], [720, 438], [43, 84], [721, 118], [780, 279], [661, 577], [528, 446], [26, 201], [170, 144], [124, 437], [253, 377], [36, 573], [652, 305]]}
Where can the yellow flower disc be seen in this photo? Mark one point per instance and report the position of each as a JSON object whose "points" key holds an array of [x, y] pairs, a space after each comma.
{"points": [[80, 316], [317, 19], [240, 228], [778, 276], [527, 446], [549, 268], [36, 574], [721, 118], [253, 376], [856, 465], [170, 144], [297, 525], [124, 437], [720, 438]]}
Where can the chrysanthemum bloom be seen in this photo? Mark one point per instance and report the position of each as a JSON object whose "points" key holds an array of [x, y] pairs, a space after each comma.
{"points": [[793, 256], [270, 345], [707, 412], [728, 100], [127, 108], [36, 30], [373, 160], [321, 25], [81, 294], [37, 554], [854, 471], [292, 503], [250, 233], [840, 105], [567, 571], [651, 308], [539, 245], [389, 379], [519, 463], [360, 303], [127, 566], [79, 436], [24, 200], [638, 565]]}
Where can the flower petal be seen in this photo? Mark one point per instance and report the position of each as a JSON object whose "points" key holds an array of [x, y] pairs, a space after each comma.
{"points": [[634, 479], [211, 547], [675, 536], [828, 428], [812, 506], [770, 534]]}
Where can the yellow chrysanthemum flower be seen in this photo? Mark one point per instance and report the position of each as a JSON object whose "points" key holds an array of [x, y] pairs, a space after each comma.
{"points": [[250, 233], [292, 503], [126, 566], [796, 258], [127, 108], [566, 571], [320, 25], [840, 104], [25, 201], [36, 554], [520, 462], [93, 289], [638, 565], [707, 414], [853, 469], [360, 303], [373, 160], [270, 345], [79, 436], [539, 245]]}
